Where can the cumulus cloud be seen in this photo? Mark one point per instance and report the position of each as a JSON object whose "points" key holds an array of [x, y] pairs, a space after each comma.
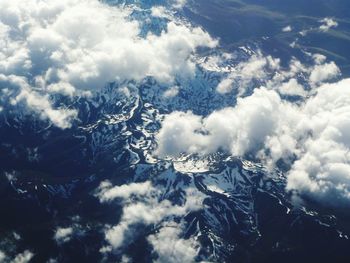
{"points": [[319, 58], [41, 104], [24, 257], [287, 81], [2, 256], [311, 136], [63, 235], [159, 11], [126, 259], [148, 210], [322, 170], [178, 134], [287, 29], [179, 3], [57, 48], [239, 130], [260, 70], [292, 88], [107, 192], [171, 92], [327, 23], [171, 248], [256, 68], [324, 72]]}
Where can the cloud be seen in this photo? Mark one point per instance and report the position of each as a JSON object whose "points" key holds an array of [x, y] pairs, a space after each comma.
{"points": [[324, 72], [260, 70], [256, 68], [327, 23], [63, 235], [57, 48], [159, 11], [17, 90], [146, 211], [178, 134], [170, 247], [2, 256], [171, 92], [179, 3], [287, 80], [322, 169], [106, 192], [287, 29], [311, 136], [24, 257], [126, 259], [151, 212], [238, 130], [292, 88]]}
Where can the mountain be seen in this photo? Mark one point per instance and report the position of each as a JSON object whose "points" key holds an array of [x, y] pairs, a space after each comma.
{"points": [[229, 208]]}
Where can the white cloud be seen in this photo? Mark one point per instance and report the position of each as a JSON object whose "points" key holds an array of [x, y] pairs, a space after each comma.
{"points": [[319, 58], [324, 72], [40, 103], [265, 127], [226, 85], [179, 3], [2, 256], [171, 248], [57, 48], [286, 80], [256, 68], [287, 29], [126, 259], [327, 23], [148, 210], [16, 236], [322, 170], [159, 11], [63, 235], [24, 257], [292, 88], [106, 192], [239, 130], [171, 92], [178, 134]]}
